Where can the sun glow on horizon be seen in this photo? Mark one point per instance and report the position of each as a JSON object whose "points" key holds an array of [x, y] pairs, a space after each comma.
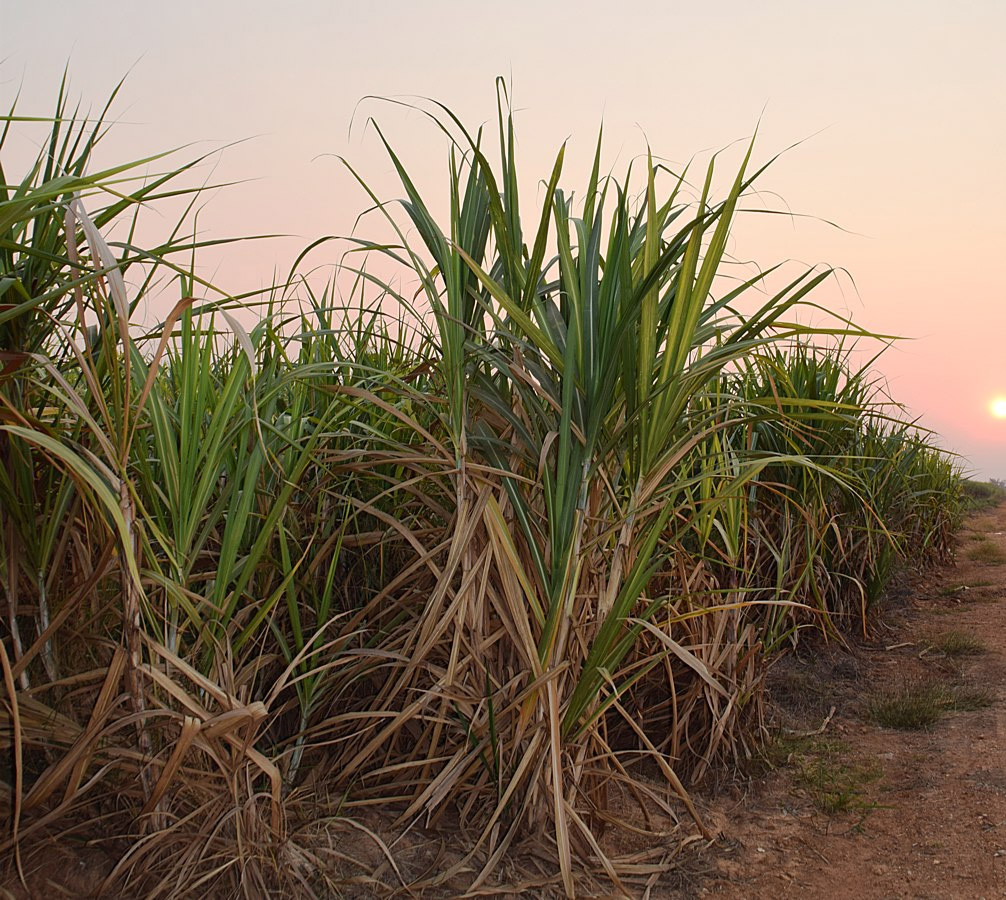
{"points": [[998, 407]]}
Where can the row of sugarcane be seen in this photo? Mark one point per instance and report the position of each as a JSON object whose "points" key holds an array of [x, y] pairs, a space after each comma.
{"points": [[486, 552]]}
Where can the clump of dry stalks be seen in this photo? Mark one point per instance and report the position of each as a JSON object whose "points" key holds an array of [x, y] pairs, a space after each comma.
{"points": [[281, 603]]}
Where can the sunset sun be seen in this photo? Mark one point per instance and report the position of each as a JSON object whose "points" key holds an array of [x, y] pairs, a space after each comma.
{"points": [[998, 407]]}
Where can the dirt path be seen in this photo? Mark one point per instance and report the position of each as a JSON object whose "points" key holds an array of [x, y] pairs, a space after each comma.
{"points": [[865, 811]]}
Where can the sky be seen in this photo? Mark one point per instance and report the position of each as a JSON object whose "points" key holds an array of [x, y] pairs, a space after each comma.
{"points": [[900, 108]]}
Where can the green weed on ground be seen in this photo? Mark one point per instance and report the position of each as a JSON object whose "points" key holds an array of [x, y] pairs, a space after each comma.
{"points": [[918, 705], [986, 551], [826, 771], [956, 643]]}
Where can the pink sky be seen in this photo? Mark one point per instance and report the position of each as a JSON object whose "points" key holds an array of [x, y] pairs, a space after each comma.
{"points": [[906, 103]]}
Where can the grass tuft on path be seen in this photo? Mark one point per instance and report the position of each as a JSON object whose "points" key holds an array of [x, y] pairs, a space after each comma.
{"points": [[918, 705], [957, 643], [987, 552]]}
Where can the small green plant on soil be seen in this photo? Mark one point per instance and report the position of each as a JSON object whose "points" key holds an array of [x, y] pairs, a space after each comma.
{"points": [[836, 786], [918, 705], [826, 771], [956, 643], [986, 551]]}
